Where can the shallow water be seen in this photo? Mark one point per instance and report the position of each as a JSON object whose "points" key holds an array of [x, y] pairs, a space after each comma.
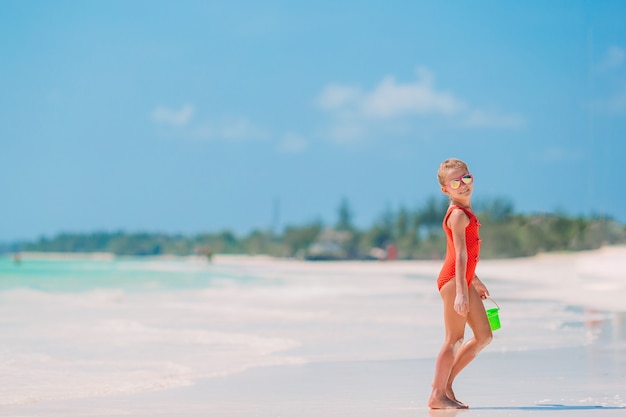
{"points": [[129, 274]]}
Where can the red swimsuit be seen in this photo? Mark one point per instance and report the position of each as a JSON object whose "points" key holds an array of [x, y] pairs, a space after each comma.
{"points": [[472, 240]]}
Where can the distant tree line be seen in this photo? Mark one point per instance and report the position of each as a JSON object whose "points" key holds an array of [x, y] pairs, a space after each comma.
{"points": [[414, 233]]}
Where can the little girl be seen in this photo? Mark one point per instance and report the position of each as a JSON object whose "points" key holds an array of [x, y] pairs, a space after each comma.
{"points": [[460, 288]]}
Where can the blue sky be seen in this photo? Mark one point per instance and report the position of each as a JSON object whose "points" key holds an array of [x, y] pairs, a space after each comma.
{"points": [[199, 116]]}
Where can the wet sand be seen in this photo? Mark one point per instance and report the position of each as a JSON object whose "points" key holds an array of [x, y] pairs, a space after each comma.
{"points": [[575, 381]]}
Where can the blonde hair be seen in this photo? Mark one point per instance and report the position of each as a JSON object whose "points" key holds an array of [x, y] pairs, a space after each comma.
{"points": [[450, 163]]}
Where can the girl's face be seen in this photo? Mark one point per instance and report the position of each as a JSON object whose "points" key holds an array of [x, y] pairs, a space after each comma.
{"points": [[458, 184]]}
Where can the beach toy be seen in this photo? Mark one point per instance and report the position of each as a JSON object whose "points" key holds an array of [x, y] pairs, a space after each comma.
{"points": [[492, 315]]}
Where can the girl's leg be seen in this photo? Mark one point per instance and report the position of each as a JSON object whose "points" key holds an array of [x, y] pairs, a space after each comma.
{"points": [[478, 322], [455, 328]]}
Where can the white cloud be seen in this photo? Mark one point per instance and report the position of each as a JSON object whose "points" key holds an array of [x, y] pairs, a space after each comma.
{"points": [[292, 143], [614, 58], [337, 96], [356, 113], [227, 128], [391, 99], [164, 115]]}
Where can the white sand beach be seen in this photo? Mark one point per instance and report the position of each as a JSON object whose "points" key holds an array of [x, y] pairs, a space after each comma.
{"points": [[273, 337]]}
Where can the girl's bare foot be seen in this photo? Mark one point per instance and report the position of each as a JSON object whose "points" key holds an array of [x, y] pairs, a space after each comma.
{"points": [[450, 395], [443, 402]]}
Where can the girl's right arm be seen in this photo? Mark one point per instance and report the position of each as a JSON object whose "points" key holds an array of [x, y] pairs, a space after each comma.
{"points": [[458, 222]]}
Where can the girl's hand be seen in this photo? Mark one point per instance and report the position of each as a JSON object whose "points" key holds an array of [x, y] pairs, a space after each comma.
{"points": [[461, 304], [481, 288]]}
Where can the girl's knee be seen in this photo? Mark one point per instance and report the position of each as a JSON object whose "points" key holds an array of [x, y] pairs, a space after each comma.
{"points": [[484, 339], [455, 342]]}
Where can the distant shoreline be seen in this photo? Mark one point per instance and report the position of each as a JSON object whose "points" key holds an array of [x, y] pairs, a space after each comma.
{"points": [[109, 256], [95, 256]]}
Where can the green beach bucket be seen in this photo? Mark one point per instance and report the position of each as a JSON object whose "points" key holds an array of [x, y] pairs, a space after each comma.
{"points": [[492, 315]]}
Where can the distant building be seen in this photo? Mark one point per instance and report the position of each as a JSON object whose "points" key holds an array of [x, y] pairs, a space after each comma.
{"points": [[329, 245]]}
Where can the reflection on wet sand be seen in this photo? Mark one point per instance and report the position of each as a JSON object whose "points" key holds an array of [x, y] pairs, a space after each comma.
{"points": [[605, 325], [447, 412]]}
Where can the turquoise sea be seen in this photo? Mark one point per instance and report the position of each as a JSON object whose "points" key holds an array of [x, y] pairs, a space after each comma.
{"points": [[130, 274]]}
